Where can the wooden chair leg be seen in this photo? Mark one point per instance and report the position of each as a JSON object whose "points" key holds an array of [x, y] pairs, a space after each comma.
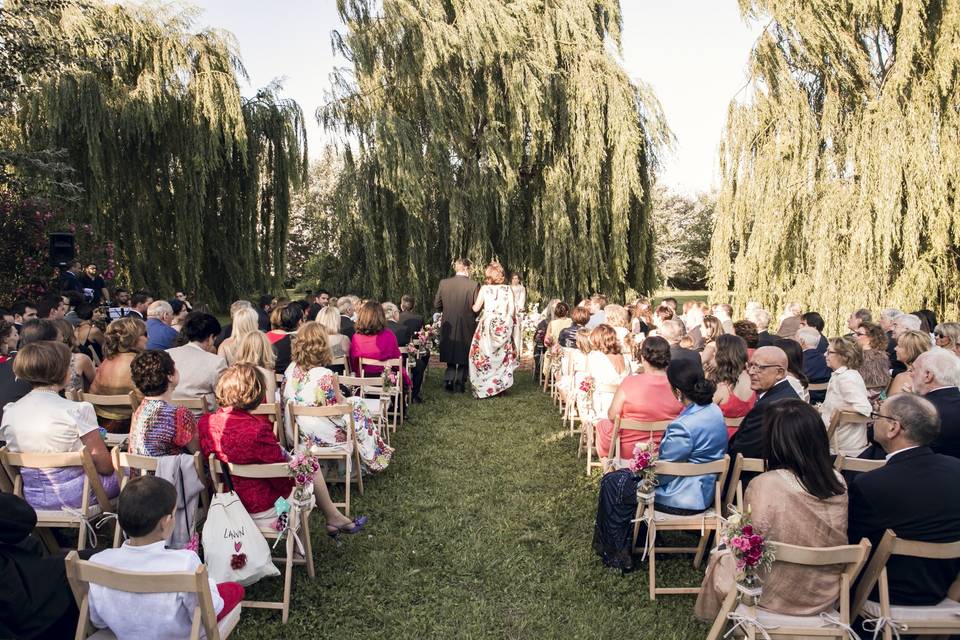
{"points": [[702, 547], [307, 544], [82, 538], [652, 570], [358, 469], [720, 622], [346, 486], [287, 579]]}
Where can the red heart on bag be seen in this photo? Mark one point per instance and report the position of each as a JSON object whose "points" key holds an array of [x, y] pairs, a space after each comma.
{"points": [[236, 546]]}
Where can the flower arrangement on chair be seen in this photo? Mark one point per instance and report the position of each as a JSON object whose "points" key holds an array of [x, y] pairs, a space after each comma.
{"points": [[643, 467], [587, 388], [749, 550], [389, 378]]}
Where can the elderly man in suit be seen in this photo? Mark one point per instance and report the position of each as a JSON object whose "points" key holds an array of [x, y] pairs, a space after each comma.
{"points": [[913, 494], [935, 376], [454, 299], [414, 323], [768, 379], [673, 331], [814, 362]]}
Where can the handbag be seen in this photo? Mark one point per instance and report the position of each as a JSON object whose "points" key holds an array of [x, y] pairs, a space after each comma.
{"points": [[234, 549]]}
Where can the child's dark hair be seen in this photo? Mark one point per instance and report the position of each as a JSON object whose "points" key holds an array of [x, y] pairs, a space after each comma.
{"points": [[143, 503], [151, 371]]}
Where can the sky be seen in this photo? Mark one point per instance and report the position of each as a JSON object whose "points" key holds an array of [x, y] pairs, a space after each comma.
{"points": [[694, 54]]}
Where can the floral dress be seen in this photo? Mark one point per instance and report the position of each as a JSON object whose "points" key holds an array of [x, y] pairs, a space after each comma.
{"points": [[314, 388], [493, 351]]}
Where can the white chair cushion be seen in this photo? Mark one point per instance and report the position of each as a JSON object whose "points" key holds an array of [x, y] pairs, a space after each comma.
{"points": [[57, 514], [770, 619], [225, 626], [947, 609], [659, 516], [373, 405]]}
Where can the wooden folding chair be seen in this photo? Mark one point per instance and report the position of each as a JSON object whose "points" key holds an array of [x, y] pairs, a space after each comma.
{"points": [[706, 523], [758, 622], [734, 422], [342, 361], [860, 465], [817, 386], [125, 463], [588, 433], [274, 411], [734, 494], [82, 573], [612, 463], [843, 417], [370, 390], [72, 518], [194, 404], [265, 471], [129, 400], [348, 451], [942, 619], [397, 394]]}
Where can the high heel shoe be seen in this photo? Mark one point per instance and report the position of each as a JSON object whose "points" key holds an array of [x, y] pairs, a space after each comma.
{"points": [[355, 527]]}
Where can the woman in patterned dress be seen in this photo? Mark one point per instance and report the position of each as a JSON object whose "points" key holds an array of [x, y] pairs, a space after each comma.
{"points": [[310, 383], [159, 427], [493, 352]]}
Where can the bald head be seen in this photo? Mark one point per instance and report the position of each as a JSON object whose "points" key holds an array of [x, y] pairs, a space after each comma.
{"points": [[767, 367]]}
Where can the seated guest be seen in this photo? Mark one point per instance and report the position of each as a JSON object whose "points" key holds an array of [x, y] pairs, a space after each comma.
{"points": [[597, 307], [578, 320], [724, 313], [82, 370], [790, 320], [748, 331], [913, 494], [875, 369], [814, 320], [660, 315], [619, 320], [310, 383], [910, 344], [329, 319], [412, 321], [899, 325], [291, 317], [234, 435], [697, 435], [347, 306], [9, 338], [761, 318], [227, 330], [11, 387], [180, 313], [197, 361], [159, 428], [947, 336], [710, 329], [276, 332], [160, 335], [857, 319], [89, 336], [36, 600], [573, 366], [43, 422], [245, 320], [374, 341], [392, 314], [125, 338], [795, 376], [672, 331], [814, 363], [734, 395], [768, 379], [539, 336], [928, 320], [264, 307], [146, 511], [693, 314], [800, 500], [605, 364], [846, 392], [935, 376], [255, 348], [561, 320], [646, 397]]}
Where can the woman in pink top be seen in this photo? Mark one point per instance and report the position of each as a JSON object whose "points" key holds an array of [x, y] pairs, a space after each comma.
{"points": [[646, 397], [734, 395], [372, 339]]}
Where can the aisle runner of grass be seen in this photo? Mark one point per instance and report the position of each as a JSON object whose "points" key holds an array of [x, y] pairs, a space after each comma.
{"points": [[480, 528]]}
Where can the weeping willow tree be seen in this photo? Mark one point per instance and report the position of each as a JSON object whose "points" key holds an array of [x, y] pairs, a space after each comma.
{"points": [[190, 180], [492, 129], [841, 169]]}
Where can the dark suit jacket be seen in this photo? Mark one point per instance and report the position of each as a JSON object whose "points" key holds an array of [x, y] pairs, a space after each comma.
{"points": [[11, 389], [816, 369], [282, 350], [455, 298], [748, 438], [947, 402], [764, 339], [679, 353], [823, 344], [401, 331], [263, 320], [347, 326], [914, 494], [896, 366], [411, 321]]}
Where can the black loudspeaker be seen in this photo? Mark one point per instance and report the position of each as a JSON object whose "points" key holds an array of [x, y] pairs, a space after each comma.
{"points": [[62, 249]]}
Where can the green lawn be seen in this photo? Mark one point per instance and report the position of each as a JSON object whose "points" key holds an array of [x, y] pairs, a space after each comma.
{"points": [[481, 528]]}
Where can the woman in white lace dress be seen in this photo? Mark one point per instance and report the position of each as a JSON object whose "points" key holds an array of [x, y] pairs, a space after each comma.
{"points": [[494, 350]]}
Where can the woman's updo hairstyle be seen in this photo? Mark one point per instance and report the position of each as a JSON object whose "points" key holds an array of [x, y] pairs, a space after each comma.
{"points": [[687, 377], [655, 351]]}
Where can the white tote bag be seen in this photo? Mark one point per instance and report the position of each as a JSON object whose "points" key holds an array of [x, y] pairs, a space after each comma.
{"points": [[233, 547]]}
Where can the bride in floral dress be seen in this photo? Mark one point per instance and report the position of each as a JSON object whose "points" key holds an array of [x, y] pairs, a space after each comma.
{"points": [[493, 352]]}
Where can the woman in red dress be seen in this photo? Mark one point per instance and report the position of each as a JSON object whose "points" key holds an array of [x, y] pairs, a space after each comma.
{"points": [[733, 395]]}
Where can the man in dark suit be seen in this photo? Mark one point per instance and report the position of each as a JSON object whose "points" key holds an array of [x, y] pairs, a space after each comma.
{"points": [[392, 314], [348, 307], [914, 495], [70, 279], [814, 363], [266, 305], [768, 379], [672, 331], [11, 388], [815, 320], [761, 318], [454, 299], [934, 376], [414, 323]]}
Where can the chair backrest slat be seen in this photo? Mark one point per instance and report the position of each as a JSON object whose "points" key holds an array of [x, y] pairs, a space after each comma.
{"points": [[820, 556], [324, 412], [846, 463], [689, 469]]}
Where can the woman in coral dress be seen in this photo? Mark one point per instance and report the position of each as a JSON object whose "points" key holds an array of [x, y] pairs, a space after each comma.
{"points": [[493, 352]]}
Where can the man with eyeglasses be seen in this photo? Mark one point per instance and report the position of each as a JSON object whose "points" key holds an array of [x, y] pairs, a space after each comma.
{"points": [[768, 379], [935, 375], [914, 494]]}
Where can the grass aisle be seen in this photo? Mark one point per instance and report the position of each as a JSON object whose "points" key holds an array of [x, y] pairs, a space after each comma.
{"points": [[481, 528]]}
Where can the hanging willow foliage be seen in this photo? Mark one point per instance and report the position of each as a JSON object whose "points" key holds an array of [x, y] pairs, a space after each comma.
{"points": [[492, 129], [841, 170], [191, 180]]}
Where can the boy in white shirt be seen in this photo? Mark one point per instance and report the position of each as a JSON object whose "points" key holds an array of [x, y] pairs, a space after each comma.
{"points": [[146, 511]]}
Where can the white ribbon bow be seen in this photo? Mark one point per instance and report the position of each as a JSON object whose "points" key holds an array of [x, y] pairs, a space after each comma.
{"points": [[876, 625], [79, 515], [648, 542], [743, 621], [835, 621]]}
